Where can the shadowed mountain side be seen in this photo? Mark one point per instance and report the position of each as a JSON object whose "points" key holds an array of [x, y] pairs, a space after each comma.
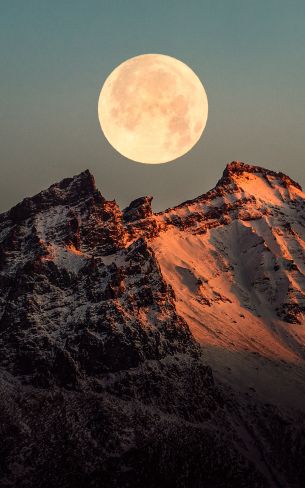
{"points": [[165, 423], [268, 380]]}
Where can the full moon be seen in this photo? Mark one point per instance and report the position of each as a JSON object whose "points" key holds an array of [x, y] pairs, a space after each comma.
{"points": [[153, 108]]}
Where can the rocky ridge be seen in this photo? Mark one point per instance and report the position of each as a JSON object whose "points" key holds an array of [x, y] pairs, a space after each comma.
{"points": [[75, 298]]}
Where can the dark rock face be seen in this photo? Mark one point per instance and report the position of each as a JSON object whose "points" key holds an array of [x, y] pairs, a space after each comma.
{"points": [[139, 219], [67, 311], [102, 382], [138, 209]]}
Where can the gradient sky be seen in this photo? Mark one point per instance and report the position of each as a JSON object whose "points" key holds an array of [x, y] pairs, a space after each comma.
{"points": [[55, 56]]}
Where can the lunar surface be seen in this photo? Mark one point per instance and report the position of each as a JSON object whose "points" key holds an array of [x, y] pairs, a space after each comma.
{"points": [[153, 108]]}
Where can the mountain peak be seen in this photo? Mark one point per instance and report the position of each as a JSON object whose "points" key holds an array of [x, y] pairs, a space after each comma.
{"points": [[238, 168], [66, 192], [81, 184]]}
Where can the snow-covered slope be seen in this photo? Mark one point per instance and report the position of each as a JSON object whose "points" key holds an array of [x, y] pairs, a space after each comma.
{"points": [[236, 260]]}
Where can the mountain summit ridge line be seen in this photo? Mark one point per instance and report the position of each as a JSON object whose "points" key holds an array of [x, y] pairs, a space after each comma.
{"points": [[236, 167]]}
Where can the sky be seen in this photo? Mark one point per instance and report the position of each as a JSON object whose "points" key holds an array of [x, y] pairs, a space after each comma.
{"points": [[55, 56]]}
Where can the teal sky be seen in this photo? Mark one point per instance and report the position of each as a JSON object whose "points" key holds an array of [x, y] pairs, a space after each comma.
{"points": [[250, 56]]}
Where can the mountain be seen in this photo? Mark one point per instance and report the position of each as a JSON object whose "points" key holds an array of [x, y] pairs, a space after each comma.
{"points": [[142, 349]]}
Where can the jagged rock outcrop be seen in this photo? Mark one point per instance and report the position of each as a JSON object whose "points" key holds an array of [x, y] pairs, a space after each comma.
{"points": [[102, 381], [139, 218], [75, 298], [138, 209]]}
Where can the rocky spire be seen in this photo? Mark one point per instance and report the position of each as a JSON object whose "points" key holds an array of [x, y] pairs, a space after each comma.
{"points": [[69, 191], [138, 209]]}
